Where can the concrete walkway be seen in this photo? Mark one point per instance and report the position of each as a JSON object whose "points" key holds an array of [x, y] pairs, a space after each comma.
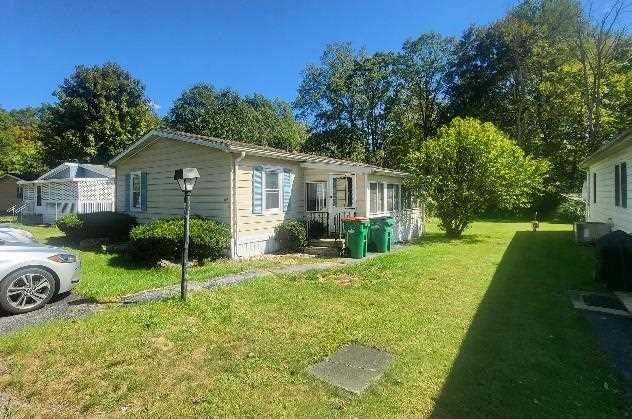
{"points": [[69, 306]]}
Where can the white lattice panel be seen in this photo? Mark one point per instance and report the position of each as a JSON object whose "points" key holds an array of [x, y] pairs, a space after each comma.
{"points": [[101, 190], [62, 191]]}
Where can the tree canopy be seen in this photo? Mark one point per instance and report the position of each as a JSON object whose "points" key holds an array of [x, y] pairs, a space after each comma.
{"points": [[100, 111], [21, 150], [203, 110], [472, 167]]}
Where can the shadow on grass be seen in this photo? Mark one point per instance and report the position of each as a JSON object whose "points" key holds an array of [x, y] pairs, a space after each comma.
{"points": [[432, 238], [527, 353]]}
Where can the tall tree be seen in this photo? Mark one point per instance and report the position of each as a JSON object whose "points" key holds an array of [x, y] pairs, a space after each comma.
{"points": [[350, 92], [598, 42], [21, 150], [206, 111], [423, 67], [100, 111]]}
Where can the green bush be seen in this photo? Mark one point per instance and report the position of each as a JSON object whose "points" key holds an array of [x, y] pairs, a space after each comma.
{"points": [[162, 239], [71, 226], [110, 225], [293, 234], [570, 211]]}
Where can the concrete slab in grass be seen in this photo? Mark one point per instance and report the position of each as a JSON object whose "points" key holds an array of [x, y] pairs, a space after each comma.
{"points": [[353, 367]]}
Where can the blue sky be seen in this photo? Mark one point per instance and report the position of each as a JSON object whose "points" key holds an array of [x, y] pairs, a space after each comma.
{"points": [[248, 45]]}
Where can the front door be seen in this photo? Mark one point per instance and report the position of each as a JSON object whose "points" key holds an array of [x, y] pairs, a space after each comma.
{"points": [[342, 201]]}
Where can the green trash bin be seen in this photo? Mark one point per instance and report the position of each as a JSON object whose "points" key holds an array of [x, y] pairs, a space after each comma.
{"points": [[356, 230], [381, 234]]}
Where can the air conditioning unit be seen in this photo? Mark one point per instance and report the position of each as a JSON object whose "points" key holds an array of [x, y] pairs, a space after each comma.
{"points": [[589, 232]]}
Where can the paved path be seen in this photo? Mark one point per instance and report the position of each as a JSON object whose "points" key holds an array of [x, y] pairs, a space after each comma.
{"points": [[68, 306]]}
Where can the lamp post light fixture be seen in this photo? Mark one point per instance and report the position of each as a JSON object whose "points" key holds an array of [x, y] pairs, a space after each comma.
{"points": [[186, 178]]}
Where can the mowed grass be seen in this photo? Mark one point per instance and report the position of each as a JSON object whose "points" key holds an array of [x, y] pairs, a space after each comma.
{"points": [[480, 327], [106, 277]]}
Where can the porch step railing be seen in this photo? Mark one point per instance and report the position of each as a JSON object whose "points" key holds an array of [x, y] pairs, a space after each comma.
{"points": [[338, 223], [317, 224]]}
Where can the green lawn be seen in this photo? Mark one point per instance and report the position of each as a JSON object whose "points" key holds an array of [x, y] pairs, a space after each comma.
{"points": [[480, 327], [105, 276]]}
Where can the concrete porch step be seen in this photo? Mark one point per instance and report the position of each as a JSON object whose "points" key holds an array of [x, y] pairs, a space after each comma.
{"points": [[326, 251], [338, 244]]}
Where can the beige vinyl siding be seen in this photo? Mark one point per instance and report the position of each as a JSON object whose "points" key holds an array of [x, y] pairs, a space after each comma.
{"points": [[251, 225], [159, 159], [605, 207]]}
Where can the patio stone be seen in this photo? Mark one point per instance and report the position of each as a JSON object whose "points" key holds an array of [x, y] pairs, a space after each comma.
{"points": [[353, 367]]}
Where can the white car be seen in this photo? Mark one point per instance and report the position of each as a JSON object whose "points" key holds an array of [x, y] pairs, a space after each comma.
{"points": [[32, 273]]}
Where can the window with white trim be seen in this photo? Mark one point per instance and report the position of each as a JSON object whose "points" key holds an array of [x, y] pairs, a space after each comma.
{"points": [[392, 197], [376, 197], [136, 190], [316, 199], [343, 192], [38, 195], [271, 190]]}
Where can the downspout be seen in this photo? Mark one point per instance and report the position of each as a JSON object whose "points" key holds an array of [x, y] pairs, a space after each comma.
{"points": [[235, 209]]}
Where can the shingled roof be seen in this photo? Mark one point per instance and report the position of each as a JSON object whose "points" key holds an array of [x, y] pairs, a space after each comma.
{"points": [[253, 149]]}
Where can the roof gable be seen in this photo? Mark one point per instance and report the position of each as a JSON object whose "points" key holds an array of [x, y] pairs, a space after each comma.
{"points": [[619, 143], [70, 171]]}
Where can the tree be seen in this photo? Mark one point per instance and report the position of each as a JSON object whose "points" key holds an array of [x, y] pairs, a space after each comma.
{"points": [[597, 44], [225, 114], [21, 150], [423, 67], [100, 111], [348, 92], [472, 167]]}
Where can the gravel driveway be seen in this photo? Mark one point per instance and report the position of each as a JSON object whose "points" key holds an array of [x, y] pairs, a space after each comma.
{"points": [[64, 306]]}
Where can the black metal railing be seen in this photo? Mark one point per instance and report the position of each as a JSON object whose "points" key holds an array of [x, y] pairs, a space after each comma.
{"points": [[317, 224], [338, 222]]}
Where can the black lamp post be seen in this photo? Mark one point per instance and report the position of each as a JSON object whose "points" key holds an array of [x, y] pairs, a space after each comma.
{"points": [[186, 178]]}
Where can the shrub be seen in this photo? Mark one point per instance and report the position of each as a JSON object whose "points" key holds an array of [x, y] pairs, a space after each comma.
{"points": [[292, 233], [472, 167], [162, 239], [111, 225], [71, 226], [570, 211]]}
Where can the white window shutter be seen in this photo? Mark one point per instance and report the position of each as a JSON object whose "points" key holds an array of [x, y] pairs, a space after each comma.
{"points": [[288, 179], [257, 190]]}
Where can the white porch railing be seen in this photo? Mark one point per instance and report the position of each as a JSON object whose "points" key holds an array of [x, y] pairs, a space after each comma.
{"points": [[85, 207]]}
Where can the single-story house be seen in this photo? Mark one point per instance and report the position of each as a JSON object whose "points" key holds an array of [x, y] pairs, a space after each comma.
{"points": [[254, 189], [9, 192], [606, 185], [68, 188]]}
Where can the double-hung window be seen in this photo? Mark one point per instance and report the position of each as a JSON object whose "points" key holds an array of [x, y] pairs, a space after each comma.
{"points": [[136, 191], [392, 197], [621, 185], [272, 191], [376, 197], [343, 192], [316, 198]]}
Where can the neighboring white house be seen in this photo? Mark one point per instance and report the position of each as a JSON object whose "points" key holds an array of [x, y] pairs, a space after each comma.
{"points": [[68, 188], [253, 188], [606, 185]]}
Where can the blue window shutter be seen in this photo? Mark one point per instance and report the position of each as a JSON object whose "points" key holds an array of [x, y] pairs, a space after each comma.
{"points": [[144, 192], [287, 188], [128, 183], [257, 190]]}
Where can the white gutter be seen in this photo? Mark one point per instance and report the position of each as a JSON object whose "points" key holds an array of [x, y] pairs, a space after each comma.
{"points": [[235, 217]]}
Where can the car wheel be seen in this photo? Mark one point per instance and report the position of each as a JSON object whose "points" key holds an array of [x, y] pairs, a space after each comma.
{"points": [[26, 290]]}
